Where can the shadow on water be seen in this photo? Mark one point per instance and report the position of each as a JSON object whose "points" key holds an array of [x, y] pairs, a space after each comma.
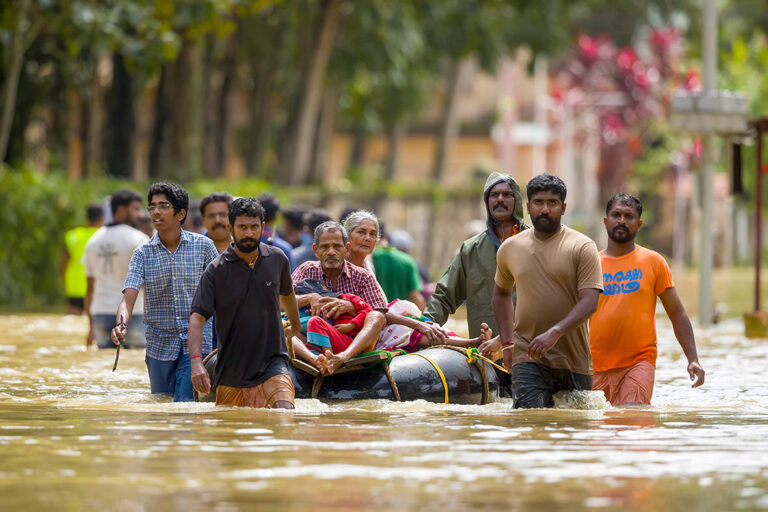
{"points": [[76, 436]]}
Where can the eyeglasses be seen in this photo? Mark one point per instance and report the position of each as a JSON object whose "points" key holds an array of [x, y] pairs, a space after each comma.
{"points": [[159, 206]]}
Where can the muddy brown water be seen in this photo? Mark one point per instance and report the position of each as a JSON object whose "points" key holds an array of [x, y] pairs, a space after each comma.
{"points": [[76, 436]]}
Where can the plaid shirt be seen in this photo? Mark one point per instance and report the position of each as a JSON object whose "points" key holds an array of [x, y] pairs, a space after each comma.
{"points": [[170, 280], [353, 280]]}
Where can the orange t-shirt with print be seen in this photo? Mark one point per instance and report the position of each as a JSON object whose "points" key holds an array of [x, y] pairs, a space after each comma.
{"points": [[623, 329]]}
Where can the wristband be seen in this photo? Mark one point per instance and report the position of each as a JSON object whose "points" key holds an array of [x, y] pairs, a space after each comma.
{"points": [[194, 356], [508, 343]]}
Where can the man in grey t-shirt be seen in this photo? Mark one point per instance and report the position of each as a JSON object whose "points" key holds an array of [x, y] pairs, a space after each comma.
{"points": [[107, 255]]}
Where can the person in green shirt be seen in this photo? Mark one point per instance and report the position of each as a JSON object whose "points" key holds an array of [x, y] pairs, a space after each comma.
{"points": [[72, 268], [397, 273]]}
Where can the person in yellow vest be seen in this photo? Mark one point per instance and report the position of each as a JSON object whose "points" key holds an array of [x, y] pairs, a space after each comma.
{"points": [[72, 268]]}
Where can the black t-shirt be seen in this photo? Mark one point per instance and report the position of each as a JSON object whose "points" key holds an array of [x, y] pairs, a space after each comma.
{"points": [[246, 301]]}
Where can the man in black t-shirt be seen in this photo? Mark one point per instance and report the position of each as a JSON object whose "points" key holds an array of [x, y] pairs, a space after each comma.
{"points": [[247, 286]]}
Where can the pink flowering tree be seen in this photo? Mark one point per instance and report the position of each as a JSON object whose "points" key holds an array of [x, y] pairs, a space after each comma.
{"points": [[628, 91]]}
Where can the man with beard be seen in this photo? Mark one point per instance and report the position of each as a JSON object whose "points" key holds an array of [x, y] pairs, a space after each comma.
{"points": [[107, 255], [169, 268], [340, 276], [469, 277], [214, 209], [556, 272], [246, 288], [622, 332]]}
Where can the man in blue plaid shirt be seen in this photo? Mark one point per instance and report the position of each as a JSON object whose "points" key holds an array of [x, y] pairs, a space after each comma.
{"points": [[169, 267]]}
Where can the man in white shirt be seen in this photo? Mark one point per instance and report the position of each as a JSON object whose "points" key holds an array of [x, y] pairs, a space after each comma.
{"points": [[106, 259]]}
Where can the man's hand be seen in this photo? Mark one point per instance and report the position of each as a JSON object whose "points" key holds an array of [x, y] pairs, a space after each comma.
{"points": [[488, 347], [696, 373], [118, 333], [543, 343], [200, 379], [329, 307], [433, 334]]}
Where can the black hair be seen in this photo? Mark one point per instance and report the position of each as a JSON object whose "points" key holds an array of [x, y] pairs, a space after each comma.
{"points": [[247, 206], [330, 226], [346, 212], [294, 215], [95, 212], [546, 183], [627, 200], [315, 217], [123, 197], [271, 206], [176, 195], [216, 197]]}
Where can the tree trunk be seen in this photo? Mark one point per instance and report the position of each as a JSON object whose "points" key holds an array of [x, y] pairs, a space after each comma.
{"points": [[189, 111], [449, 123], [211, 92], [449, 130], [229, 68], [160, 135], [74, 135], [97, 114], [300, 147], [261, 109], [396, 137], [324, 138], [121, 120], [10, 87], [357, 154]]}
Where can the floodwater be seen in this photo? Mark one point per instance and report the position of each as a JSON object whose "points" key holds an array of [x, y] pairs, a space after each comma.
{"points": [[75, 436]]}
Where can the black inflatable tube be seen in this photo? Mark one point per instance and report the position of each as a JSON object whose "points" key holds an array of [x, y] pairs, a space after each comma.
{"points": [[415, 376]]}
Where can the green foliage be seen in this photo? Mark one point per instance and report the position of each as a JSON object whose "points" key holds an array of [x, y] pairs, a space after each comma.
{"points": [[37, 210], [745, 70]]}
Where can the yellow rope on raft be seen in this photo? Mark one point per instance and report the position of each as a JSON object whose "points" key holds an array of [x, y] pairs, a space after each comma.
{"points": [[439, 372], [472, 354]]}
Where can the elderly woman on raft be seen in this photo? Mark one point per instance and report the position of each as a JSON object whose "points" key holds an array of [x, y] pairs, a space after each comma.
{"points": [[363, 231]]}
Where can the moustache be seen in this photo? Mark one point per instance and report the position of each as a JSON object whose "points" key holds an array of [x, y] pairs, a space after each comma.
{"points": [[544, 216], [500, 205], [218, 225], [247, 241]]}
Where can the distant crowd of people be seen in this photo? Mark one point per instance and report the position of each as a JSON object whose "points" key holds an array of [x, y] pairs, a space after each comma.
{"points": [[542, 299]]}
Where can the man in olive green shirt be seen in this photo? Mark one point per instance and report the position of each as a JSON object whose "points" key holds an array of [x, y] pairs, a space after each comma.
{"points": [[469, 277]]}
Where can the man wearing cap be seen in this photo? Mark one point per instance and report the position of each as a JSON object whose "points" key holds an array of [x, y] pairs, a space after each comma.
{"points": [[470, 276]]}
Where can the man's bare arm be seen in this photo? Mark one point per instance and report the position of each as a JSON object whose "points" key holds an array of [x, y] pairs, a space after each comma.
{"points": [[200, 379], [504, 311], [580, 312], [684, 333], [288, 304]]}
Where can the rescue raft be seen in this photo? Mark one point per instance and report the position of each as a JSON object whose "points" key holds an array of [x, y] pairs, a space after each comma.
{"points": [[436, 374]]}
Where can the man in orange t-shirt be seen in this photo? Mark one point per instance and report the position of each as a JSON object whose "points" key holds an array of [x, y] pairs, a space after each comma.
{"points": [[622, 332]]}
